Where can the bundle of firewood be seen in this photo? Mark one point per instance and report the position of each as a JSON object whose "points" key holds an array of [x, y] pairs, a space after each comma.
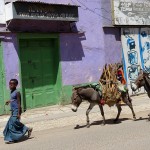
{"points": [[109, 83]]}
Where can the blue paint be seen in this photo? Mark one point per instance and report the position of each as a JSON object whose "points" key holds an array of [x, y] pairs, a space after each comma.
{"points": [[124, 66], [144, 47], [130, 49], [130, 43], [133, 57], [140, 45]]}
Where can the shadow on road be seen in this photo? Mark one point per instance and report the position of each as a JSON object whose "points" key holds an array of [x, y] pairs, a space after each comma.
{"points": [[109, 122], [25, 138], [79, 127], [141, 119]]}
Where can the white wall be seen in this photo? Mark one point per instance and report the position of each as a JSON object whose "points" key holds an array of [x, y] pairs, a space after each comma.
{"points": [[131, 12], [2, 12], [136, 52]]}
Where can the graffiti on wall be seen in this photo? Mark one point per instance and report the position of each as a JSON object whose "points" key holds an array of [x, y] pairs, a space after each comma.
{"points": [[145, 48], [131, 52], [131, 12]]}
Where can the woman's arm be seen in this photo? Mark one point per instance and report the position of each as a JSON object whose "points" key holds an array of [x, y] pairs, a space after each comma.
{"points": [[7, 102], [19, 104]]}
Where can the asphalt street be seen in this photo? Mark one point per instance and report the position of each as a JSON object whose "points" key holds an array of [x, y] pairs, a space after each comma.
{"points": [[125, 135]]}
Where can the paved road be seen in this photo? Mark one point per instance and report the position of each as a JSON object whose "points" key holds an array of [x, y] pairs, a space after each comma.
{"points": [[126, 135], [61, 116]]}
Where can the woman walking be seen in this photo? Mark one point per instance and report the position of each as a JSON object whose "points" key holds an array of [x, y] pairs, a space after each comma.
{"points": [[14, 129]]}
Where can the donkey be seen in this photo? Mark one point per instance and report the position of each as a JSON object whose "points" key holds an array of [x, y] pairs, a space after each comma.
{"points": [[143, 80], [95, 98]]}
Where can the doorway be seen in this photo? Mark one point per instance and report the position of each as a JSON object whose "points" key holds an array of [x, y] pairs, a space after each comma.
{"points": [[1, 81], [40, 73]]}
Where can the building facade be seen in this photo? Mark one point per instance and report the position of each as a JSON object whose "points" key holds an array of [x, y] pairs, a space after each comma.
{"points": [[134, 19], [49, 56]]}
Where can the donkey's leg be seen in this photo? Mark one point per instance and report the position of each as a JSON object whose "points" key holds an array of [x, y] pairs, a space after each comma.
{"points": [[102, 113], [149, 117], [119, 111], [87, 114], [128, 102]]}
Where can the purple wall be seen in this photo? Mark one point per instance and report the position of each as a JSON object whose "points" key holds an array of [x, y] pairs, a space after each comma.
{"points": [[112, 45], [11, 59], [93, 48], [83, 55], [106, 13]]}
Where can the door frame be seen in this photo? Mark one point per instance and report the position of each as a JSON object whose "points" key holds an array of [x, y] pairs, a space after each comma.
{"points": [[2, 111], [21, 36]]}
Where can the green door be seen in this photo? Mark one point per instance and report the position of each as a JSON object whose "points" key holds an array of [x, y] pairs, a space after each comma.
{"points": [[1, 81], [39, 64]]}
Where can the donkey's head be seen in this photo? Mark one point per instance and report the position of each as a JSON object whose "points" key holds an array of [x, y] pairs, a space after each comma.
{"points": [[76, 100], [140, 81]]}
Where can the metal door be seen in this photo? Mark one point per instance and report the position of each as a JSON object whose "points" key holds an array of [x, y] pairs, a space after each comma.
{"points": [[38, 72]]}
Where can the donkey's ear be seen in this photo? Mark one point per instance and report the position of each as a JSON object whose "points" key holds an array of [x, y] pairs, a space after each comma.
{"points": [[73, 88], [141, 71], [146, 73]]}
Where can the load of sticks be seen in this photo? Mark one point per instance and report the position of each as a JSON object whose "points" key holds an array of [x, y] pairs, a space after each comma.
{"points": [[109, 83]]}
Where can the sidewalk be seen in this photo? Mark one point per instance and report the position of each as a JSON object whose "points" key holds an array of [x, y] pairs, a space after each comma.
{"points": [[61, 116]]}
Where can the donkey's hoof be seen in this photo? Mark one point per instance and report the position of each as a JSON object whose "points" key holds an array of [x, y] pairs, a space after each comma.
{"points": [[88, 125], [102, 124], [134, 118]]}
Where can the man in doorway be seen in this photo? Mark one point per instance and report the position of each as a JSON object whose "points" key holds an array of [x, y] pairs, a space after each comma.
{"points": [[120, 74], [121, 78]]}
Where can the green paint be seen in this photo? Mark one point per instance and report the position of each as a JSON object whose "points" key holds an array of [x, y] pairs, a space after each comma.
{"points": [[40, 69], [66, 93], [2, 83]]}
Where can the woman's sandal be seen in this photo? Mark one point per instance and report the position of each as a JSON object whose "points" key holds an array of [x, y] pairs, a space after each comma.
{"points": [[10, 142], [29, 132]]}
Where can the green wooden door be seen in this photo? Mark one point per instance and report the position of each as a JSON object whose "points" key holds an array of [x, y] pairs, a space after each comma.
{"points": [[39, 77], [1, 81]]}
